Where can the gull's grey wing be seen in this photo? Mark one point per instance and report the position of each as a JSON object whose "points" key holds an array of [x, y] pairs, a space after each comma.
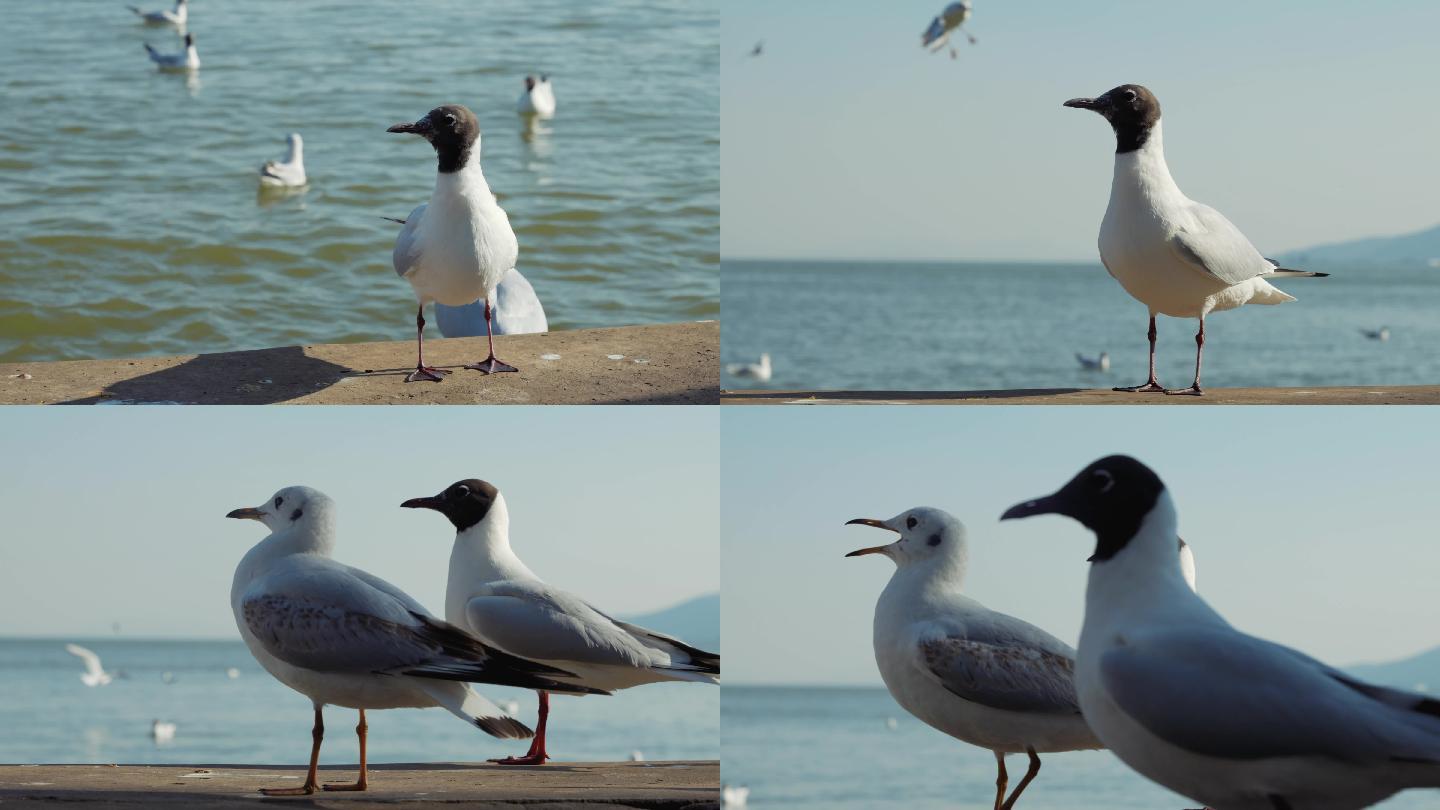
{"points": [[1001, 662], [1212, 245], [1221, 693], [406, 252], [533, 620]]}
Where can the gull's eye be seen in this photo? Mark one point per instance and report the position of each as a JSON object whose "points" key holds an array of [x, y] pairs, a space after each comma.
{"points": [[461, 491], [1103, 480], [277, 502], [450, 119], [911, 522], [1130, 95]]}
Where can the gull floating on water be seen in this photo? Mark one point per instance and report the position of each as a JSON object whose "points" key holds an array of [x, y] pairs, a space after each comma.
{"points": [[734, 795], [500, 601], [177, 16], [1192, 703], [94, 674], [1100, 363], [457, 248], [1174, 255], [341, 636], [289, 173], [188, 59], [760, 371], [946, 22], [1383, 333], [979, 675], [162, 731], [232, 673], [538, 99]]}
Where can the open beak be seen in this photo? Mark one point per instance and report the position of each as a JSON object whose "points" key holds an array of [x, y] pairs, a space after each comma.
{"points": [[879, 524], [1040, 506], [422, 503], [247, 513], [421, 127]]}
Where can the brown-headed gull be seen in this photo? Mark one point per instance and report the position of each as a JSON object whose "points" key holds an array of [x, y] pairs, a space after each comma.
{"points": [[188, 59], [538, 99], [500, 601], [1192, 703], [176, 16], [290, 172], [343, 637]]}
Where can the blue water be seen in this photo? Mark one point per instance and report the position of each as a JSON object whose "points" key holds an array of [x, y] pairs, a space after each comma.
{"points": [[808, 748], [48, 716], [977, 326]]}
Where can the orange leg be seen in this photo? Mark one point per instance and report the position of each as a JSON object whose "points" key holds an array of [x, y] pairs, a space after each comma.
{"points": [[317, 734], [536, 755], [360, 783]]}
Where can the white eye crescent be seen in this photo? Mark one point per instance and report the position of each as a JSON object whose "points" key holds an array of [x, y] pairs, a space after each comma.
{"points": [[1106, 480]]}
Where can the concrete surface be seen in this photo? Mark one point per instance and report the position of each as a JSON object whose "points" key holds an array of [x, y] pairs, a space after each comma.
{"points": [[662, 785], [654, 364], [1359, 395]]}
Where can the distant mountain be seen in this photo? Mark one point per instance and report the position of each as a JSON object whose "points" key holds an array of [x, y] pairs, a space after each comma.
{"points": [[1421, 247], [695, 622], [1416, 672]]}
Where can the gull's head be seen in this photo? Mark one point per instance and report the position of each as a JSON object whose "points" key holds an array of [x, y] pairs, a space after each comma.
{"points": [[529, 83], [453, 130], [294, 140], [1111, 497], [925, 533], [463, 503], [290, 506], [1131, 109]]}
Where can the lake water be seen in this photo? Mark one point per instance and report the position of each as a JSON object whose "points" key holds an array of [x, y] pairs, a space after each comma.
{"points": [[48, 716], [129, 217], [915, 326], [808, 748]]}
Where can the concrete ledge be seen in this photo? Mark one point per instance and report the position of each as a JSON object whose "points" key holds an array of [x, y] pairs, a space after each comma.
{"points": [[670, 364], [1359, 395], [660, 785]]}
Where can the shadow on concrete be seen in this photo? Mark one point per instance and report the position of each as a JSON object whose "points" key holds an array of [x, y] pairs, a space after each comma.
{"points": [[256, 377]]}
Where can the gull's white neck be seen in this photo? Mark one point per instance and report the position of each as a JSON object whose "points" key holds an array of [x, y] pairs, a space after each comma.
{"points": [[312, 534], [466, 186], [934, 580], [1142, 173], [297, 152], [1143, 584], [481, 555]]}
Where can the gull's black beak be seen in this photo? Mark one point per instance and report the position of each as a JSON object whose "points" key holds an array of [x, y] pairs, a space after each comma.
{"points": [[879, 524], [421, 127], [248, 513], [1047, 505], [422, 503], [1094, 104]]}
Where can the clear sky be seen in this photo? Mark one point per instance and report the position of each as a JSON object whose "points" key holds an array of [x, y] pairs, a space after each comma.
{"points": [[1315, 527], [118, 514], [1304, 121]]}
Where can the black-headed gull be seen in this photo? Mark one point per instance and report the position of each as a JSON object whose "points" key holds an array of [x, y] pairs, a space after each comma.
{"points": [[188, 59], [341, 636], [1174, 255], [500, 601], [947, 21], [538, 99], [979, 675], [455, 249], [290, 172], [94, 674], [1098, 363], [176, 16], [1383, 333], [1188, 701], [760, 371]]}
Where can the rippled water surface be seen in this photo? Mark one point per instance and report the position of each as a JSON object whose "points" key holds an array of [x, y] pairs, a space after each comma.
{"points": [[130, 222]]}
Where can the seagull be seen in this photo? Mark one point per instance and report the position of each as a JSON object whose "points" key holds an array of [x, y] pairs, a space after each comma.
{"points": [[1101, 363], [289, 173], [760, 371], [162, 731], [734, 795], [341, 636], [981, 676], [1192, 703], [232, 673], [946, 22], [94, 674], [500, 601], [1383, 333], [462, 246], [1174, 255], [176, 17], [187, 59], [538, 99]]}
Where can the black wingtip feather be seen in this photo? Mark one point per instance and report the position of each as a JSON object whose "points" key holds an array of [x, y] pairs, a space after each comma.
{"points": [[506, 728]]}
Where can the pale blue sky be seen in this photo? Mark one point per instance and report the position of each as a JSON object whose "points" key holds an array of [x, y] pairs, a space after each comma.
{"points": [[1304, 121], [1315, 527], [118, 514]]}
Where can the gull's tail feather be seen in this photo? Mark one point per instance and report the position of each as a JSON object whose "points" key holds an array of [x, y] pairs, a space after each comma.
{"points": [[467, 704], [464, 658], [393, 219], [153, 53], [1281, 272], [136, 10]]}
